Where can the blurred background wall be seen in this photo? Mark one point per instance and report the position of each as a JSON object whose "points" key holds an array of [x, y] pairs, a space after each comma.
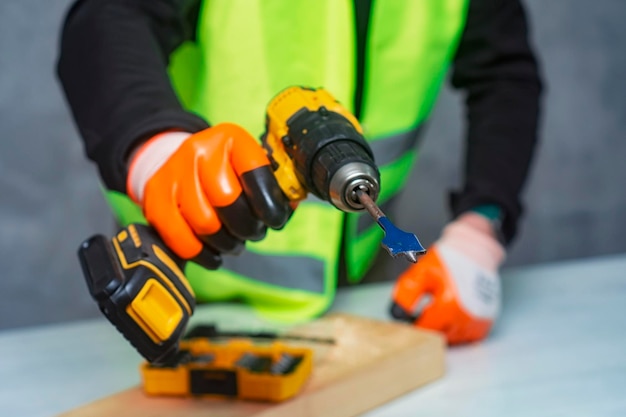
{"points": [[576, 197]]}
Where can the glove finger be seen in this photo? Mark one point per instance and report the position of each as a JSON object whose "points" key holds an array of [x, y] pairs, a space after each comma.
{"points": [[471, 331], [240, 221], [268, 201], [208, 258], [224, 242], [246, 154], [409, 313], [203, 219], [408, 289], [252, 166], [480, 329], [416, 282], [244, 215], [162, 213], [224, 192], [446, 316], [436, 316]]}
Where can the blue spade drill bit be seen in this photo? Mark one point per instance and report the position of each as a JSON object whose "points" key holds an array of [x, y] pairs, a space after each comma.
{"points": [[396, 241]]}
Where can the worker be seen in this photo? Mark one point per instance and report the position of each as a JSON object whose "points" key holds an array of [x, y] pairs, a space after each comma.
{"points": [[169, 96]]}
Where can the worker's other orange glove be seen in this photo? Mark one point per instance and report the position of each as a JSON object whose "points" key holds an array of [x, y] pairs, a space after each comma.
{"points": [[460, 275], [207, 193]]}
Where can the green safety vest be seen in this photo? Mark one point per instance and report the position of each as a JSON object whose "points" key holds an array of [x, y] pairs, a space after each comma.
{"points": [[249, 50]]}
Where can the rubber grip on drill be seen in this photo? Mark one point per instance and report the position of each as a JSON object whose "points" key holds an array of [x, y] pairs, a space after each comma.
{"points": [[320, 143], [330, 159]]}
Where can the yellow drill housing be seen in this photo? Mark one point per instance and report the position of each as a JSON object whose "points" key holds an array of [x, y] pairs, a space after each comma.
{"points": [[280, 111]]}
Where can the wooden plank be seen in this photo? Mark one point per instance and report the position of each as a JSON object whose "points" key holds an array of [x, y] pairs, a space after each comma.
{"points": [[371, 363]]}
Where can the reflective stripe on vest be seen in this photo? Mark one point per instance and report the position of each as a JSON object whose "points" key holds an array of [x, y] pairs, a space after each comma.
{"points": [[279, 270], [249, 50]]}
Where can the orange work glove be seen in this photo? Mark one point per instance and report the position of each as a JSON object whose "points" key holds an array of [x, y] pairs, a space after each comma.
{"points": [[460, 275], [207, 193]]}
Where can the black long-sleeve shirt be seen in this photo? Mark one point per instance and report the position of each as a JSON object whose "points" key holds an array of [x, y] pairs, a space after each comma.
{"points": [[114, 55]]}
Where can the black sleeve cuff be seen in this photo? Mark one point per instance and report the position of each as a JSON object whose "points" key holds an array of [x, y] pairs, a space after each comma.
{"points": [[466, 200], [113, 160]]}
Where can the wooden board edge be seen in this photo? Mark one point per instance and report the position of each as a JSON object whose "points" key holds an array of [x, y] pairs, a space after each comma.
{"points": [[429, 364], [372, 385]]}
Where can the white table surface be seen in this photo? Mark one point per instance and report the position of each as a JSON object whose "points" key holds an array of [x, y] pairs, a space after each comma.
{"points": [[558, 350]]}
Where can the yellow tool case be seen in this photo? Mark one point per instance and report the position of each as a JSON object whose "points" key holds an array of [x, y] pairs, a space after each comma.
{"points": [[235, 368]]}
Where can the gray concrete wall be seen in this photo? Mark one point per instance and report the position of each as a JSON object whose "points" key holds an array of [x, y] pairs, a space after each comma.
{"points": [[576, 199]]}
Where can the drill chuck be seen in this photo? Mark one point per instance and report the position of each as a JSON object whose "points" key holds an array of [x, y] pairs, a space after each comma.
{"points": [[348, 180], [332, 158]]}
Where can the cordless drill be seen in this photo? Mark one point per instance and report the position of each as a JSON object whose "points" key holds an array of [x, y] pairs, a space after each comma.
{"points": [[314, 145]]}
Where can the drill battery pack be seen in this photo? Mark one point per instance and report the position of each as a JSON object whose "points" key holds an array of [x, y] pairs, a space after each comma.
{"points": [[140, 288], [234, 368]]}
